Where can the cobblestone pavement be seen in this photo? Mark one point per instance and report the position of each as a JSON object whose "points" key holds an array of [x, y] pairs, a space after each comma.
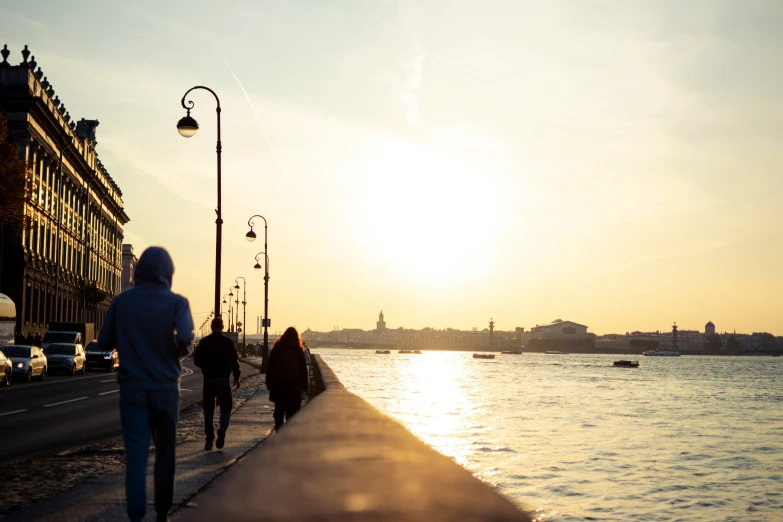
{"points": [[30, 480]]}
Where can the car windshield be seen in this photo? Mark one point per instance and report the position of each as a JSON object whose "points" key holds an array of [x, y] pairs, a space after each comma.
{"points": [[17, 351], [61, 349], [58, 337], [93, 347]]}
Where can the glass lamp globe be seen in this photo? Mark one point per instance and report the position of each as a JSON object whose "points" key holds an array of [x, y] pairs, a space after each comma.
{"points": [[187, 126]]}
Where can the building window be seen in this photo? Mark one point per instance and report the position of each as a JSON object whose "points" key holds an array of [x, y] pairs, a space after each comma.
{"points": [[36, 226], [36, 305], [28, 303], [50, 306]]}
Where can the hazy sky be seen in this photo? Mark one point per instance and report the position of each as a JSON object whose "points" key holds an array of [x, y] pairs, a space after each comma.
{"points": [[614, 163]]}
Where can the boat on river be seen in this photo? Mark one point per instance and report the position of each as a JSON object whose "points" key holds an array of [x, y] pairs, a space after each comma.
{"points": [[410, 351], [382, 352], [627, 364], [483, 355]]}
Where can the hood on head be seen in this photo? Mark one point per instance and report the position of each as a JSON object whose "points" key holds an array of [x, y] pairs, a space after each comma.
{"points": [[155, 266]]}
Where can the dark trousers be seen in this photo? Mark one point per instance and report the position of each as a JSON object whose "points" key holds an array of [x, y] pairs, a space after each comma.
{"points": [[286, 406], [149, 414], [216, 389]]}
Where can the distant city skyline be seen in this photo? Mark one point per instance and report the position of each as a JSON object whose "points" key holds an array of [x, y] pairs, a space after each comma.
{"points": [[706, 327], [612, 162]]}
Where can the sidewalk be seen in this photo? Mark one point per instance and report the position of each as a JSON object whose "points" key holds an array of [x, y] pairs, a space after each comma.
{"points": [[104, 498], [339, 460]]}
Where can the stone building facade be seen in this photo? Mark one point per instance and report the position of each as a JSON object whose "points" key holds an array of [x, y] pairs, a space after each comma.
{"points": [[129, 261], [67, 263]]}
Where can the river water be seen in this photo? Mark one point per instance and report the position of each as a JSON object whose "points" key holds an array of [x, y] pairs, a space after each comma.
{"points": [[570, 437]]}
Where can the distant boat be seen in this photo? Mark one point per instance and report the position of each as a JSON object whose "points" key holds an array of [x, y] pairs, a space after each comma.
{"points": [[483, 355], [656, 353], [511, 353], [556, 352], [382, 352], [410, 351], [627, 364]]}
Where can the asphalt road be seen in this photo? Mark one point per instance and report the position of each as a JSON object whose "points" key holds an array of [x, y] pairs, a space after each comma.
{"points": [[64, 411]]}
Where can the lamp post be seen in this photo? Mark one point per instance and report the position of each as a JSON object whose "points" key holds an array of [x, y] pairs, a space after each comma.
{"points": [[251, 236], [188, 127], [230, 308], [244, 311], [236, 316], [221, 305], [257, 268]]}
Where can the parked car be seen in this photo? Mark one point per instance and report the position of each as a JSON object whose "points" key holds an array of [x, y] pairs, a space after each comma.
{"points": [[6, 369], [67, 358], [97, 358], [27, 361]]}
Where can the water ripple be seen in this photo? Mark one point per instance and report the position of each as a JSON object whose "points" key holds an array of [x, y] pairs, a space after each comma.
{"points": [[695, 439]]}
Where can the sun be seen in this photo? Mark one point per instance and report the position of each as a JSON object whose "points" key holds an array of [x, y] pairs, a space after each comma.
{"points": [[428, 214]]}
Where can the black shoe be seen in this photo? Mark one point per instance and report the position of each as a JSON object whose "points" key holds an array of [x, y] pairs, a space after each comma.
{"points": [[221, 439], [162, 517], [208, 445]]}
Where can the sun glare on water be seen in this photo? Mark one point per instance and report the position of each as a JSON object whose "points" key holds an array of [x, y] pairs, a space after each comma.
{"points": [[429, 215], [435, 394]]}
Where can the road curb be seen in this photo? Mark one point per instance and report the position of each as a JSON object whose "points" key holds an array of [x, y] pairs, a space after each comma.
{"points": [[250, 363]]}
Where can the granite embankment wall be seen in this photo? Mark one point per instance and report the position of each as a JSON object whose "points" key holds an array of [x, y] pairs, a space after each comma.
{"points": [[341, 459]]}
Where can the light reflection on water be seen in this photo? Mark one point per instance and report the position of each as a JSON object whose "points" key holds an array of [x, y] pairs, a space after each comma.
{"points": [[571, 438]]}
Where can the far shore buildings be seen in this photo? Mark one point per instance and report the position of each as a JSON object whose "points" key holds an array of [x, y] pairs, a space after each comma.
{"points": [[429, 338], [559, 335], [556, 335], [67, 263], [692, 342]]}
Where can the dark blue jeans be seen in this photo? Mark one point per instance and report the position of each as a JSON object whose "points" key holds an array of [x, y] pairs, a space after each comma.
{"points": [[149, 414], [216, 389]]}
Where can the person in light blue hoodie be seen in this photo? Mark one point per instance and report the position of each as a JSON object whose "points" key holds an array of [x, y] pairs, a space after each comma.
{"points": [[152, 329]]}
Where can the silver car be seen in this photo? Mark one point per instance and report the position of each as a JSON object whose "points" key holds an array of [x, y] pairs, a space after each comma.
{"points": [[27, 361], [5, 370], [66, 358]]}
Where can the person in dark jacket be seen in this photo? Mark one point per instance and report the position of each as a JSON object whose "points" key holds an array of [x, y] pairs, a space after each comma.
{"points": [[152, 329], [37, 339], [286, 376], [29, 340], [217, 358]]}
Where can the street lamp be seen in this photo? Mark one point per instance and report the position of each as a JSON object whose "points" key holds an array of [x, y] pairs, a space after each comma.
{"points": [[236, 316], [221, 305], [257, 268], [251, 236], [230, 308], [244, 310], [188, 127]]}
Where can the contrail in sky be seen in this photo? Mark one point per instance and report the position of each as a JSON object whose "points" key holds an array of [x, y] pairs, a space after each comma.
{"points": [[255, 113]]}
